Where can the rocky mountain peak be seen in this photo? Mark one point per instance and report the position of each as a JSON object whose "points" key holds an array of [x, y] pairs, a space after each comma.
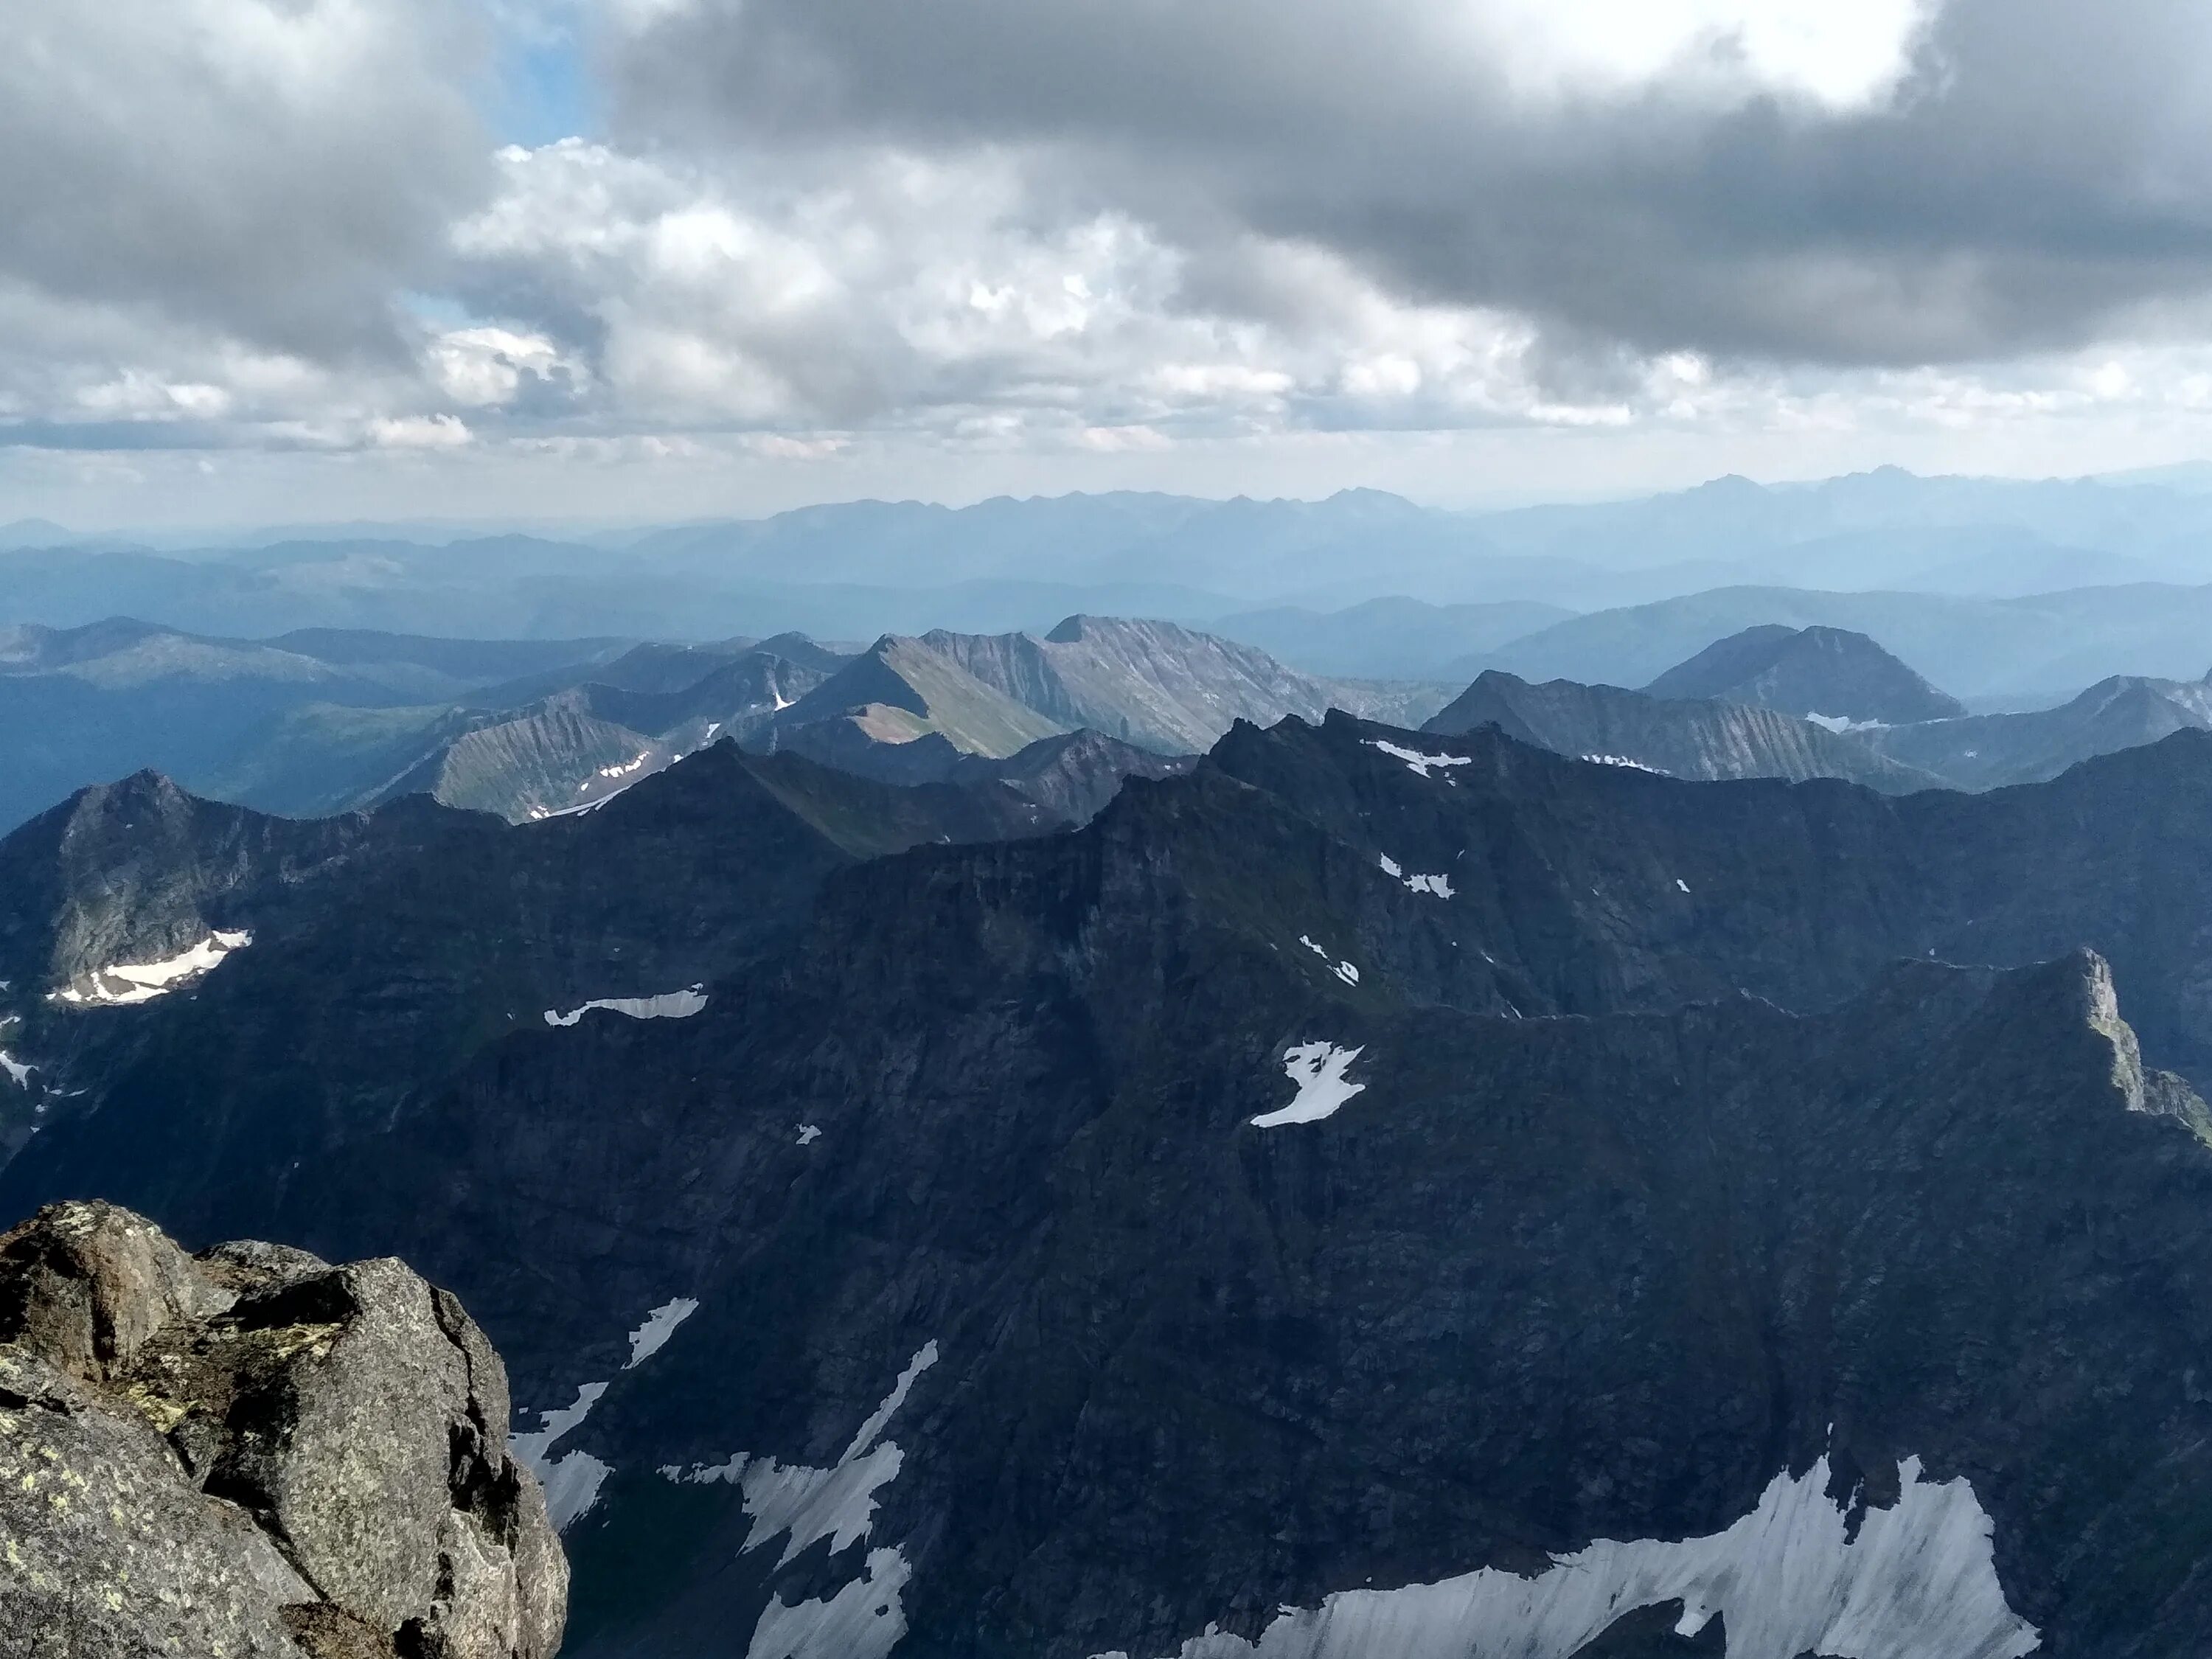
{"points": [[1831, 674], [250, 1452]]}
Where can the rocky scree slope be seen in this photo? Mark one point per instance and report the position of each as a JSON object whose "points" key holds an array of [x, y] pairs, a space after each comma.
{"points": [[1162, 686], [584, 743], [1158, 686], [1332, 1176], [250, 1453], [1682, 738]]}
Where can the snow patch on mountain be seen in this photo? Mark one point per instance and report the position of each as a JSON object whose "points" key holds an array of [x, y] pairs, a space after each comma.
{"points": [[1918, 1581], [1845, 723], [572, 1481], [1440, 885], [124, 983], [804, 1503], [16, 1069], [863, 1619], [1317, 1069], [648, 1338], [1623, 759], [572, 1486], [1416, 762], [1343, 970], [539, 814], [669, 1005]]}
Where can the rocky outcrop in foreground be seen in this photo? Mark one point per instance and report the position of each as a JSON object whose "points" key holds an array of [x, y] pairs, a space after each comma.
{"points": [[250, 1452]]}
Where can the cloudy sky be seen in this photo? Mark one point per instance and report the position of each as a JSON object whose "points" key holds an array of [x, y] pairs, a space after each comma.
{"points": [[646, 259]]}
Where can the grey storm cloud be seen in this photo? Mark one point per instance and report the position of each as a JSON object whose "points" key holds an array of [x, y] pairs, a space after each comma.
{"points": [[2036, 176], [266, 171]]}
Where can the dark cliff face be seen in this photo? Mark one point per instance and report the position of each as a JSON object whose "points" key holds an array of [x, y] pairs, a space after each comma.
{"points": [[1066, 779], [1350, 1167], [139, 870], [1177, 1359], [373, 953]]}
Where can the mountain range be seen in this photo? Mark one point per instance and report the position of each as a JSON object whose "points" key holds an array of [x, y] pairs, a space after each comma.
{"points": [[1372, 1192], [1746, 706], [320, 723], [1317, 1125]]}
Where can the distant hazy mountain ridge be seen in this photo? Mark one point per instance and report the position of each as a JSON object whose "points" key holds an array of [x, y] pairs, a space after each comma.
{"points": [[862, 568]]}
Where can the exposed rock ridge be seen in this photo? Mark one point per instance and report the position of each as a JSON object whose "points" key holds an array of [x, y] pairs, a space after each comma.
{"points": [[138, 869], [250, 1452]]}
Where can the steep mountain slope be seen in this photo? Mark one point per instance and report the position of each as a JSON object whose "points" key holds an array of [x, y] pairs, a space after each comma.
{"points": [[140, 871], [1681, 738], [554, 758], [1534, 1285], [1159, 685], [368, 953], [1829, 674], [1345, 1169], [1073, 776], [324, 758], [565, 750], [899, 690], [1987, 750], [1153, 684]]}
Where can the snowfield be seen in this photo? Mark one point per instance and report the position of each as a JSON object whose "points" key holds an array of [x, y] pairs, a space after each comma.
{"points": [[124, 983], [1918, 1581], [1317, 1069], [669, 1005]]}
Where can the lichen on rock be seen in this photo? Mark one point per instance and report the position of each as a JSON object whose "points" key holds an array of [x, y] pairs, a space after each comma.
{"points": [[250, 1452]]}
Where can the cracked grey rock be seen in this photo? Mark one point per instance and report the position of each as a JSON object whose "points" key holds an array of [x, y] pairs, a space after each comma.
{"points": [[252, 1452]]}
